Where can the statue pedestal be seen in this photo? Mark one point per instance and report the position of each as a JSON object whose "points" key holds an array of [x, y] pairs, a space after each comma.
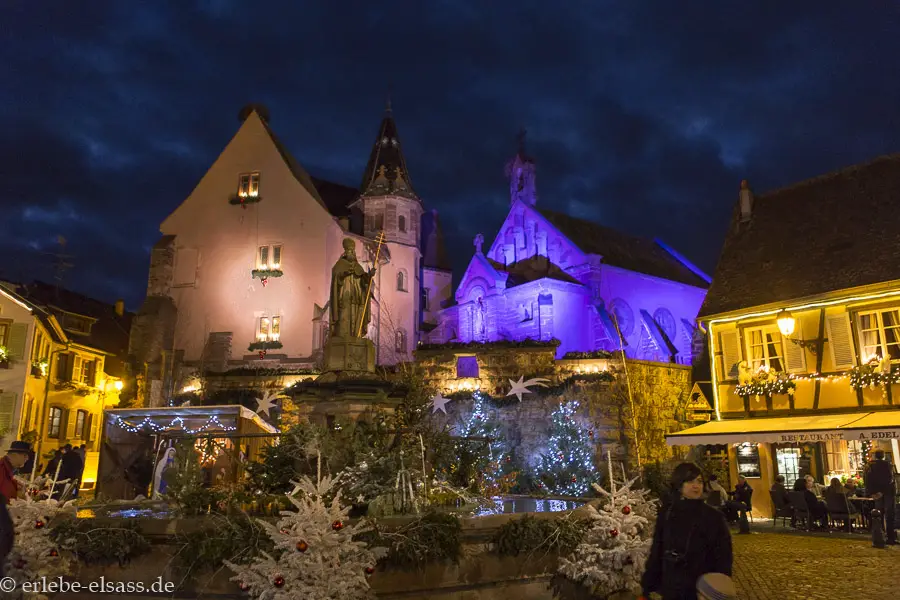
{"points": [[350, 354]]}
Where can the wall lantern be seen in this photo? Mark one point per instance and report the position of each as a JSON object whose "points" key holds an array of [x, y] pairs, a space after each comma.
{"points": [[786, 323], [118, 385]]}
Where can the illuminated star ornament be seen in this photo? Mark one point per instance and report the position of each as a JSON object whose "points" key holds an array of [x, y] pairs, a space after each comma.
{"points": [[438, 402], [266, 403], [521, 387]]}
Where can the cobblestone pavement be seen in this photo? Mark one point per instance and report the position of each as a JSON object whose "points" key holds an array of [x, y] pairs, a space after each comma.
{"points": [[792, 566]]}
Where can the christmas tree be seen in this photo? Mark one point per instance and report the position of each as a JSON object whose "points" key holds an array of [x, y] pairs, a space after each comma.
{"points": [[34, 554], [612, 555], [315, 555], [484, 464], [567, 468]]}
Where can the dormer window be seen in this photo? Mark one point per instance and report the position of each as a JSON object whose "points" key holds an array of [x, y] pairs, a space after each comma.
{"points": [[76, 324], [248, 185]]}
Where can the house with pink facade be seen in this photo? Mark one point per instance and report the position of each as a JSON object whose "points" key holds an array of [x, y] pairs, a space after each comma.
{"points": [[547, 275], [241, 275]]}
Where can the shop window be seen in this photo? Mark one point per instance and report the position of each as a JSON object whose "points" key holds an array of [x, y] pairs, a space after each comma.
{"points": [[788, 461], [748, 460], [765, 349], [879, 333], [836, 456]]}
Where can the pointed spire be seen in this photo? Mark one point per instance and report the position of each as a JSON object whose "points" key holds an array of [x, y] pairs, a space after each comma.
{"points": [[387, 104], [386, 173]]}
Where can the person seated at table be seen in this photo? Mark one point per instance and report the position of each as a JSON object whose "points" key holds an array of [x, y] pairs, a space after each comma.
{"points": [[780, 490], [850, 488], [817, 509], [838, 490], [715, 486], [743, 494]]}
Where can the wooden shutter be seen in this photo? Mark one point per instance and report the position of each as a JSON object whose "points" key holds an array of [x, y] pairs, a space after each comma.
{"points": [[18, 332], [731, 354], [64, 365], [63, 424], [90, 428], [7, 412], [840, 340], [92, 373], [71, 417], [794, 355], [76, 368]]}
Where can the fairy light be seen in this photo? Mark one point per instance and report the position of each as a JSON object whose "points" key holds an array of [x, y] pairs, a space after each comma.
{"points": [[147, 423]]}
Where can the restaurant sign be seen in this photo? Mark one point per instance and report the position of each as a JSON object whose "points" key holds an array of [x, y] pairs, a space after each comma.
{"points": [[830, 436], [786, 437]]}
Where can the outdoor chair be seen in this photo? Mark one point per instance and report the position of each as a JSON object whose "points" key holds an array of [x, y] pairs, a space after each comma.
{"points": [[839, 510], [801, 511], [783, 511]]}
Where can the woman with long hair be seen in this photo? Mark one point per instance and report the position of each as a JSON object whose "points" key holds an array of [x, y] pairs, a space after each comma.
{"points": [[691, 539]]}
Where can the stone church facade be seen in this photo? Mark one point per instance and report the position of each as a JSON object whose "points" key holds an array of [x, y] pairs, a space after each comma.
{"points": [[549, 275], [242, 272]]}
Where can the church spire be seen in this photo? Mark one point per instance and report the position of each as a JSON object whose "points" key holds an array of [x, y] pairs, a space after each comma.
{"points": [[521, 173], [386, 172]]}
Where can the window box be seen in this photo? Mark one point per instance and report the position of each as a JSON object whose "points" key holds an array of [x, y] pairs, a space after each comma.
{"points": [[264, 274], [40, 368], [4, 358], [767, 383], [873, 374], [265, 345], [243, 201]]}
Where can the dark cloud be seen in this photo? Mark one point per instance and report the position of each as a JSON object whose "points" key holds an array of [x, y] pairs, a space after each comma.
{"points": [[641, 115]]}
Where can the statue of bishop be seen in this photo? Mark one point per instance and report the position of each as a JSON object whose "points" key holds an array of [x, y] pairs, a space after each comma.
{"points": [[349, 295]]}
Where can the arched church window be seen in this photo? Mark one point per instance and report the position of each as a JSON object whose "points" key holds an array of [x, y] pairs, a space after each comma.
{"points": [[400, 341], [666, 322], [401, 223], [401, 280], [623, 316]]}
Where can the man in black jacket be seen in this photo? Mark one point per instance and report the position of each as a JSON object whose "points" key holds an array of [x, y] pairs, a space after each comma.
{"points": [[880, 486], [7, 533]]}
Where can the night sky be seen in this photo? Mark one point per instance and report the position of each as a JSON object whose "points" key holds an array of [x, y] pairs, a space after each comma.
{"points": [[642, 115]]}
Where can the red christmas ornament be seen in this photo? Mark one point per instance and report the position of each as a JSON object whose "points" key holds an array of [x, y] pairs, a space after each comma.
{"points": [[20, 564], [245, 587], [591, 433], [302, 546], [370, 570], [262, 354], [573, 479], [337, 525], [38, 524], [54, 553], [279, 581], [614, 532], [265, 281], [626, 510]]}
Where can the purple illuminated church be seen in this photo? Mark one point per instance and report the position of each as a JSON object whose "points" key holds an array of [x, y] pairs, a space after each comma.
{"points": [[549, 275]]}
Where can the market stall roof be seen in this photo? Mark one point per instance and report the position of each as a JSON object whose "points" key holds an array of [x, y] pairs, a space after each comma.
{"points": [[883, 425], [165, 414]]}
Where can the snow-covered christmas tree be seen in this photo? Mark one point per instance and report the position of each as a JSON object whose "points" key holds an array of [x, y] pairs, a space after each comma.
{"points": [[612, 555], [315, 555], [34, 554], [567, 468]]}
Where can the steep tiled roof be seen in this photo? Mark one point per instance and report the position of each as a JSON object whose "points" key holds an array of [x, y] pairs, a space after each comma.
{"points": [[532, 269], [386, 171], [434, 252], [336, 197], [619, 249], [836, 231]]}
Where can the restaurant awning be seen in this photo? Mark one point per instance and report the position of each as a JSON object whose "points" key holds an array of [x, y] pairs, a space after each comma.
{"points": [[881, 425]]}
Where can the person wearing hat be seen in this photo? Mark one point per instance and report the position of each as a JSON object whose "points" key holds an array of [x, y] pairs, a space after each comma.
{"points": [[691, 540], [15, 458]]}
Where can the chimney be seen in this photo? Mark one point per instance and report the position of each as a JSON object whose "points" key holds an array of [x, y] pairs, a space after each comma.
{"points": [[120, 307], [746, 202]]}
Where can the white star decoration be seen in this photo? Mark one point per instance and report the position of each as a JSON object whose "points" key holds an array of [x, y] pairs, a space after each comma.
{"points": [[521, 387], [438, 402], [266, 403]]}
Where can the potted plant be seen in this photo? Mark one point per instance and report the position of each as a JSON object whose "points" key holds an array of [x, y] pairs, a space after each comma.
{"points": [[4, 358]]}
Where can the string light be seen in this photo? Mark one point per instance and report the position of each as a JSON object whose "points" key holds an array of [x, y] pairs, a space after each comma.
{"points": [[147, 423]]}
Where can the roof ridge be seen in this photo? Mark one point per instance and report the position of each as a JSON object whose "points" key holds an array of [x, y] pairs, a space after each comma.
{"points": [[829, 175], [596, 224]]}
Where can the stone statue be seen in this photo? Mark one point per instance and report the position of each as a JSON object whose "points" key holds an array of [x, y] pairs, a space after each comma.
{"points": [[165, 463], [349, 302]]}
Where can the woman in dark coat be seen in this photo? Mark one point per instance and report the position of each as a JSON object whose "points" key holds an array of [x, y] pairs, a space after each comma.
{"points": [[691, 539]]}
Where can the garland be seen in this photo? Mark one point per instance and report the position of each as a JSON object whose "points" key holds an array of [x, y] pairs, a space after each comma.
{"points": [[764, 384], [529, 535], [264, 274], [526, 343], [587, 355], [93, 543], [265, 345], [871, 375], [243, 201]]}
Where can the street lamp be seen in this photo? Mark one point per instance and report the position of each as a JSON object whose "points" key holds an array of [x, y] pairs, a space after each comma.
{"points": [[786, 323]]}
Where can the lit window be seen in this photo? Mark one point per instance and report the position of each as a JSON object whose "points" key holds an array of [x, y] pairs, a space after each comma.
{"points": [[268, 329], [401, 223], [879, 333], [400, 342], [4, 333], [248, 185], [765, 349], [80, 419], [401, 281], [54, 422], [269, 257]]}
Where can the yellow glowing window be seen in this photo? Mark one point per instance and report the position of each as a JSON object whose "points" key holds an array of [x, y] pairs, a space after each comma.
{"points": [[263, 331], [765, 348], [276, 257], [248, 185], [276, 328], [879, 333], [263, 257]]}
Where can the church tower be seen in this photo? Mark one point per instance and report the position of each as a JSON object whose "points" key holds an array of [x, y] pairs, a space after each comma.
{"points": [[390, 204], [521, 173]]}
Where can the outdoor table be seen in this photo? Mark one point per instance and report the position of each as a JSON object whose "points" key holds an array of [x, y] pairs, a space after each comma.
{"points": [[865, 507]]}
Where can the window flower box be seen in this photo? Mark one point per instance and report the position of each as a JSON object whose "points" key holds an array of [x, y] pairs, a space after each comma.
{"points": [[264, 274], [262, 346], [4, 358], [243, 201], [767, 383]]}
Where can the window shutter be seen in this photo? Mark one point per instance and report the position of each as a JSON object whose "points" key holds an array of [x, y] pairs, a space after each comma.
{"points": [[92, 374], [794, 355], [90, 428], [63, 424], [16, 341], [731, 354], [71, 417], [840, 341], [64, 365], [7, 411], [76, 368]]}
